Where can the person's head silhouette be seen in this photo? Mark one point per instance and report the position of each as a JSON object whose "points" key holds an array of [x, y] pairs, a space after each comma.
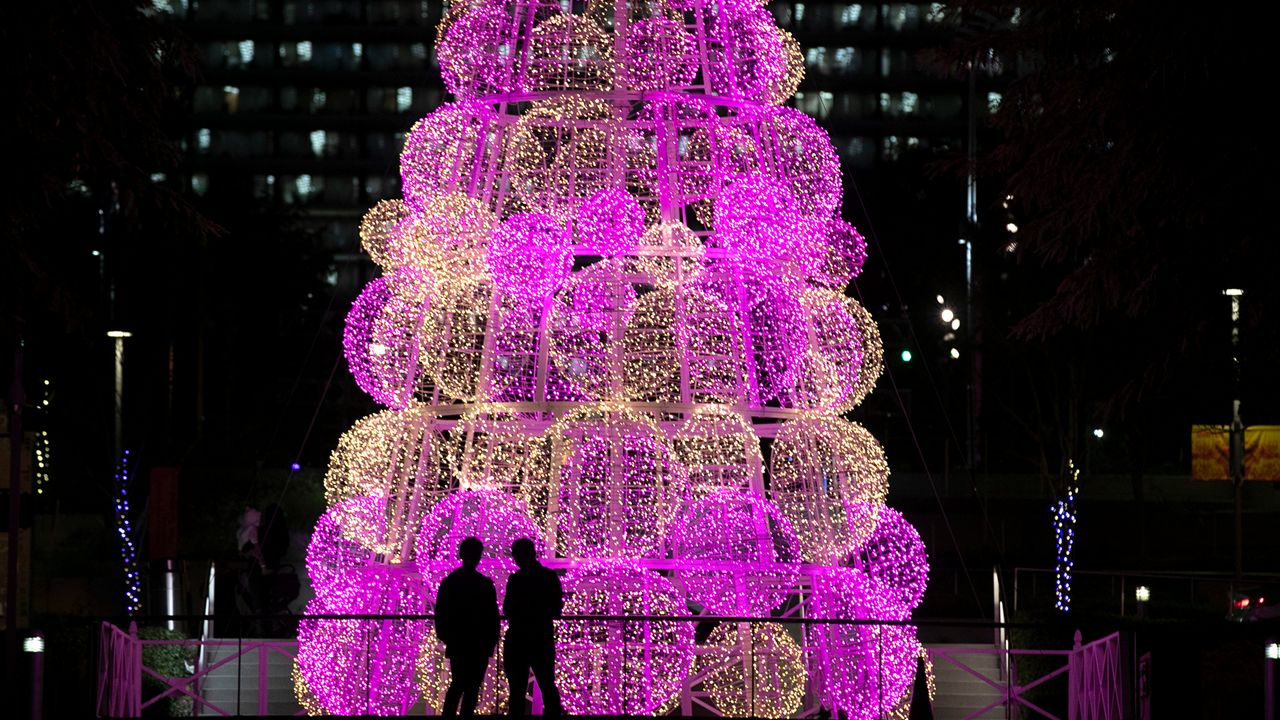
{"points": [[523, 552], [469, 551]]}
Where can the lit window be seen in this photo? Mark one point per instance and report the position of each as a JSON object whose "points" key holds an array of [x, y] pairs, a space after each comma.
{"points": [[161, 6], [200, 183], [1017, 16], [419, 51], [304, 51], [899, 18], [844, 58], [937, 13], [318, 138], [910, 101], [993, 101], [318, 99], [246, 52], [885, 102], [231, 94], [303, 184], [913, 142], [203, 138], [891, 147], [799, 12], [815, 57], [851, 14], [404, 98], [158, 177], [357, 50]]}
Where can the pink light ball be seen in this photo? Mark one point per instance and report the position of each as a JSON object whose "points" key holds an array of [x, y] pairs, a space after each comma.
{"points": [[529, 255], [616, 667], [738, 555], [344, 539], [747, 55], [657, 54], [843, 257], [895, 557], [804, 161], [381, 335], [611, 222], [364, 667], [475, 50], [440, 151], [493, 516], [757, 222]]}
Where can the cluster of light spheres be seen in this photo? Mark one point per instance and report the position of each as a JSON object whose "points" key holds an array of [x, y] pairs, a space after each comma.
{"points": [[619, 263], [621, 667]]}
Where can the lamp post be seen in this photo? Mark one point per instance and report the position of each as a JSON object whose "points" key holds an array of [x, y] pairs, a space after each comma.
{"points": [[1236, 440], [118, 428]]}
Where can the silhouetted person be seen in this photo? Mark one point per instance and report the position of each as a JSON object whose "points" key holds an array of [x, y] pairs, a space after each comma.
{"points": [[534, 599], [467, 624]]}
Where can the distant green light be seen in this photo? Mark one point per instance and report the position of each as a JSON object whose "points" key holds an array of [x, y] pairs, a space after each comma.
{"points": [[906, 356]]}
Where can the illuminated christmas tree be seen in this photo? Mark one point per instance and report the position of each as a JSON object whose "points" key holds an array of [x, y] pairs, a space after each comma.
{"points": [[617, 266]]}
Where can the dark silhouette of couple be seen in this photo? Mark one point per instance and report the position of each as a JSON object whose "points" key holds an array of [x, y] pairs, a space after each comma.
{"points": [[467, 624]]}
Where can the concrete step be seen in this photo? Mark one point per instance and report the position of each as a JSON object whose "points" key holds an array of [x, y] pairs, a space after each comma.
{"points": [[220, 685], [959, 692]]}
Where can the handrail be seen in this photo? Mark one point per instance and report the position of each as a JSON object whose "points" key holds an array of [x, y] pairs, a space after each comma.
{"points": [[206, 631], [1092, 671]]}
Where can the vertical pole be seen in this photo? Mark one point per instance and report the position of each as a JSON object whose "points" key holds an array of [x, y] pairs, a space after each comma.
{"points": [[1237, 430], [17, 399], [118, 428], [971, 228]]}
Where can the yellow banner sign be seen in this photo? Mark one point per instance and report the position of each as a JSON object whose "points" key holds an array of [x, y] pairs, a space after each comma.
{"points": [[1211, 452]]}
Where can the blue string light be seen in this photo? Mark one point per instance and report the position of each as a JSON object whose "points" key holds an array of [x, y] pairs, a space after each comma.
{"points": [[128, 552], [1064, 530]]}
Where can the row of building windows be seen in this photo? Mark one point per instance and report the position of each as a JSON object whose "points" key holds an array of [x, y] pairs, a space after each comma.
{"points": [[898, 17], [290, 144], [334, 191], [301, 12], [327, 56], [825, 105], [235, 99]]}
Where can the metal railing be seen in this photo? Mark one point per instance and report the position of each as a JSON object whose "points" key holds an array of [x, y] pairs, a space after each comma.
{"points": [[1092, 687]]}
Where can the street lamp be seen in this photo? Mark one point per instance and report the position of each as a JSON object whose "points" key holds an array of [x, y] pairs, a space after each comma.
{"points": [[1143, 594]]}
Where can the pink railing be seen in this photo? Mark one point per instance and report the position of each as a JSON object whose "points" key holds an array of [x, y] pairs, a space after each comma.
{"points": [[1095, 680], [120, 672], [1093, 674], [1092, 671]]}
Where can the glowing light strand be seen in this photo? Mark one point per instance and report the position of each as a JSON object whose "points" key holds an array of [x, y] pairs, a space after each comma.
{"points": [[1064, 532], [124, 528]]}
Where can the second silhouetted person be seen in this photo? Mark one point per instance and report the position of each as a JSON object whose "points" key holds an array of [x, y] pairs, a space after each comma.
{"points": [[467, 624], [533, 601]]}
